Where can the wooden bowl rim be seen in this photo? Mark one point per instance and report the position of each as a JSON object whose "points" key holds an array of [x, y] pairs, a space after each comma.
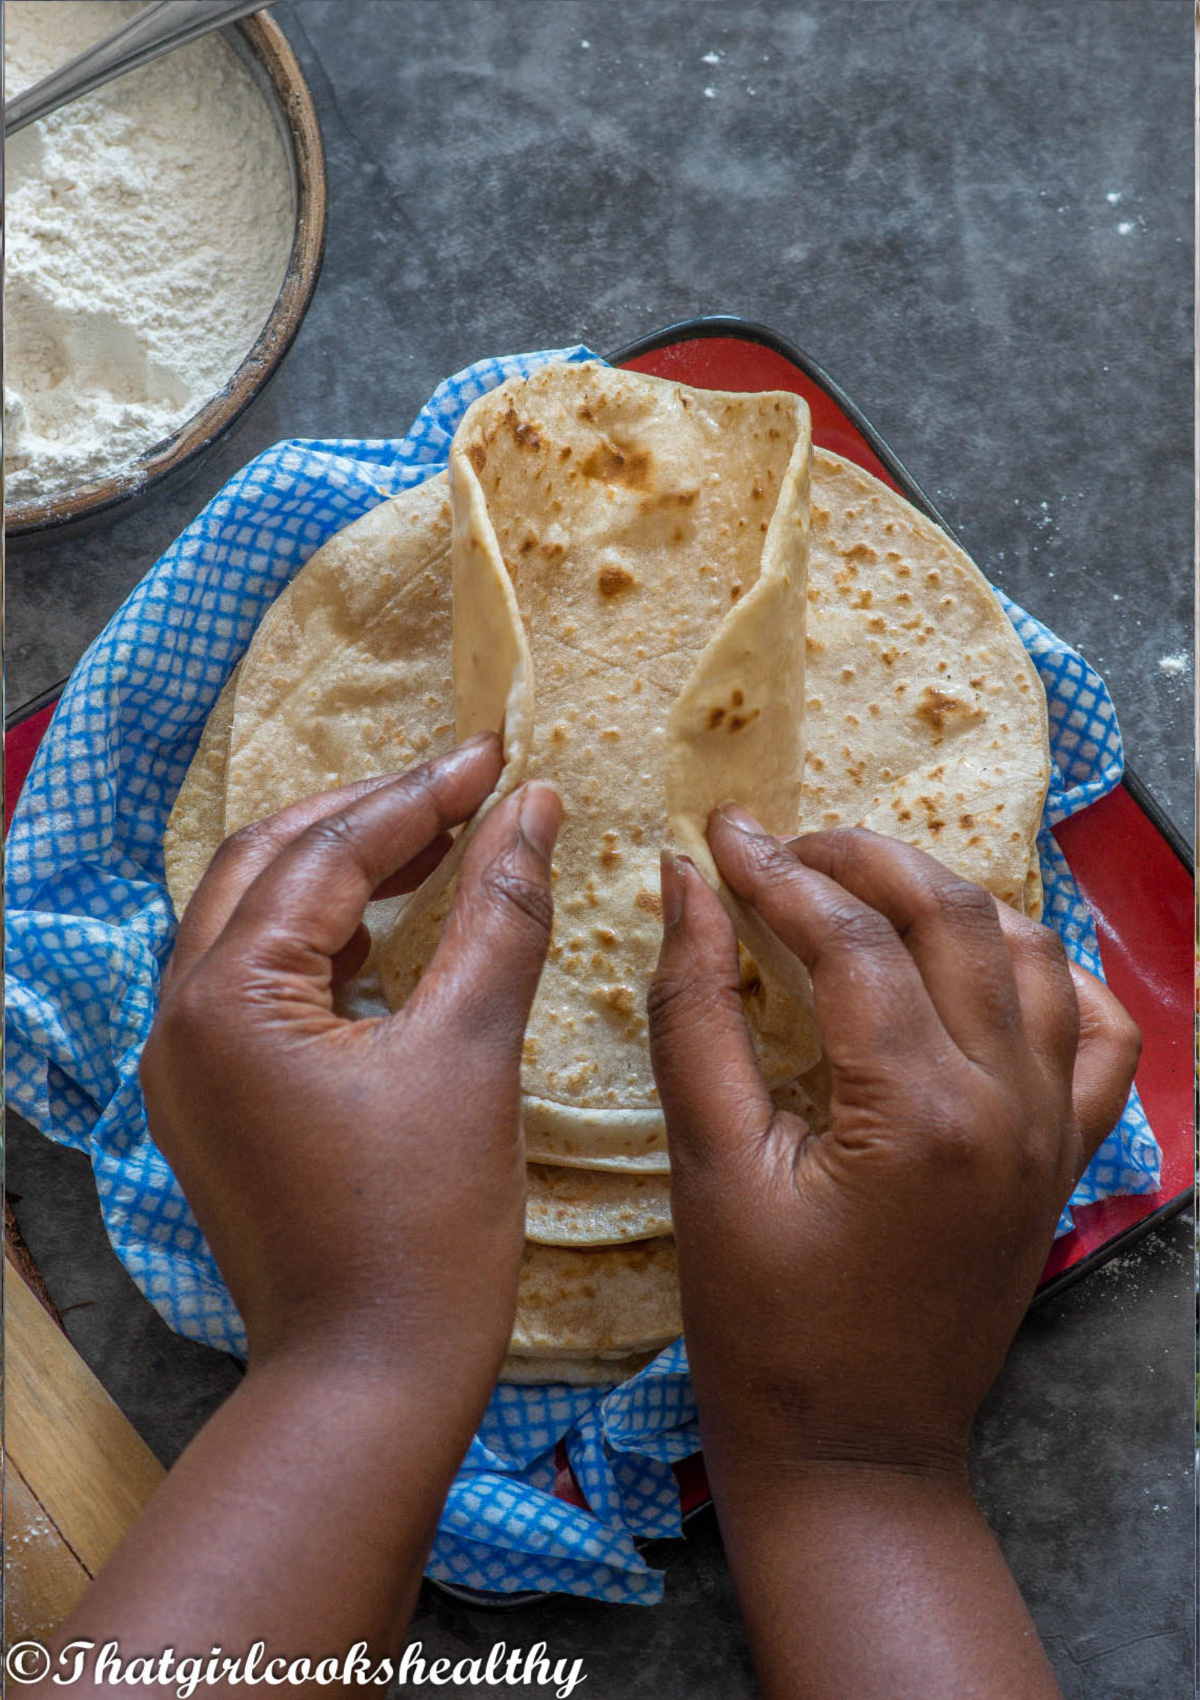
{"points": [[271, 47]]}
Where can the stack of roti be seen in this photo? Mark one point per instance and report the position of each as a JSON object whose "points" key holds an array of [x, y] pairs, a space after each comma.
{"points": [[663, 598]]}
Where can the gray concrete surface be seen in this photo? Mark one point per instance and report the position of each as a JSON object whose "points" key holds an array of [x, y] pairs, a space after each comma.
{"points": [[978, 218]]}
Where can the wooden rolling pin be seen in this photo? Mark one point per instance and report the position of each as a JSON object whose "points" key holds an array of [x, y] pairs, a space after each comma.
{"points": [[76, 1473]]}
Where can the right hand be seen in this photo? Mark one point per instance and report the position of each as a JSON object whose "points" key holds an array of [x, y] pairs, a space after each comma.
{"points": [[850, 1296]]}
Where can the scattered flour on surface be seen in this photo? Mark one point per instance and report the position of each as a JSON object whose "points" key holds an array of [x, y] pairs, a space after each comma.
{"points": [[148, 227], [1174, 665]]}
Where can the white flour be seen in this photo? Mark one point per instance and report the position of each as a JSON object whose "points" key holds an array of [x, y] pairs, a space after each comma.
{"points": [[147, 229]]}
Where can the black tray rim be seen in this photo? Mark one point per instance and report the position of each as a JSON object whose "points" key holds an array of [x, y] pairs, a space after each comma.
{"points": [[750, 330]]}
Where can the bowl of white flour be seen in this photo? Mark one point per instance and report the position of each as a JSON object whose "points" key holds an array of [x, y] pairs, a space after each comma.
{"points": [[163, 240]]}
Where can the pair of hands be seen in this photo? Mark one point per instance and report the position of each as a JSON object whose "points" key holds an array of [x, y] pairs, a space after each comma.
{"points": [[846, 1296]]}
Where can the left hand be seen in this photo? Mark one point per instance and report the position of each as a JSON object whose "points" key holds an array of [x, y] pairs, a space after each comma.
{"points": [[361, 1183]]}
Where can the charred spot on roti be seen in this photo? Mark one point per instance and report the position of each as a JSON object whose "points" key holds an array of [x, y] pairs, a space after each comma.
{"points": [[675, 499], [610, 855], [524, 434], [650, 901], [609, 464], [616, 1000], [940, 711], [613, 580]]}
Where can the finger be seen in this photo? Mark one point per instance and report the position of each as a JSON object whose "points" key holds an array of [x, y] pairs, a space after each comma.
{"points": [[873, 1012], [485, 971], [1105, 1063], [1049, 1006], [350, 959], [416, 872], [304, 907], [704, 1064], [948, 926], [243, 856], [210, 909]]}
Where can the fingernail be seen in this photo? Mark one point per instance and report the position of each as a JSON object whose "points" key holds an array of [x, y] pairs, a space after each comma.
{"points": [[740, 818], [540, 813], [477, 741]]}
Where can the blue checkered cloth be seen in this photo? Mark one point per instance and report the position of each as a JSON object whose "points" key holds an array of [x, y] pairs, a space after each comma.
{"points": [[90, 926]]}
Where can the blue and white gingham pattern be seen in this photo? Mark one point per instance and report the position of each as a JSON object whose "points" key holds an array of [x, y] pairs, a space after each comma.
{"points": [[90, 926]]}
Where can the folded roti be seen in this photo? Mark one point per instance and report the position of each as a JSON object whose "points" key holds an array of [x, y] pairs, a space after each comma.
{"points": [[925, 716], [572, 1206], [348, 675], [869, 741], [628, 563], [196, 825], [602, 1301], [581, 1371], [925, 720], [956, 761]]}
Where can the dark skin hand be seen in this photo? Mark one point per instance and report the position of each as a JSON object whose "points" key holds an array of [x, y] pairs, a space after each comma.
{"points": [[849, 1298], [361, 1185]]}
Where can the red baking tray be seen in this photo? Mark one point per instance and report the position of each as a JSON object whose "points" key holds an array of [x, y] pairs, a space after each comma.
{"points": [[1131, 863]]}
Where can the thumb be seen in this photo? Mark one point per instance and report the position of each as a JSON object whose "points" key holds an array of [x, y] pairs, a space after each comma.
{"points": [[708, 1078], [486, 968]]}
